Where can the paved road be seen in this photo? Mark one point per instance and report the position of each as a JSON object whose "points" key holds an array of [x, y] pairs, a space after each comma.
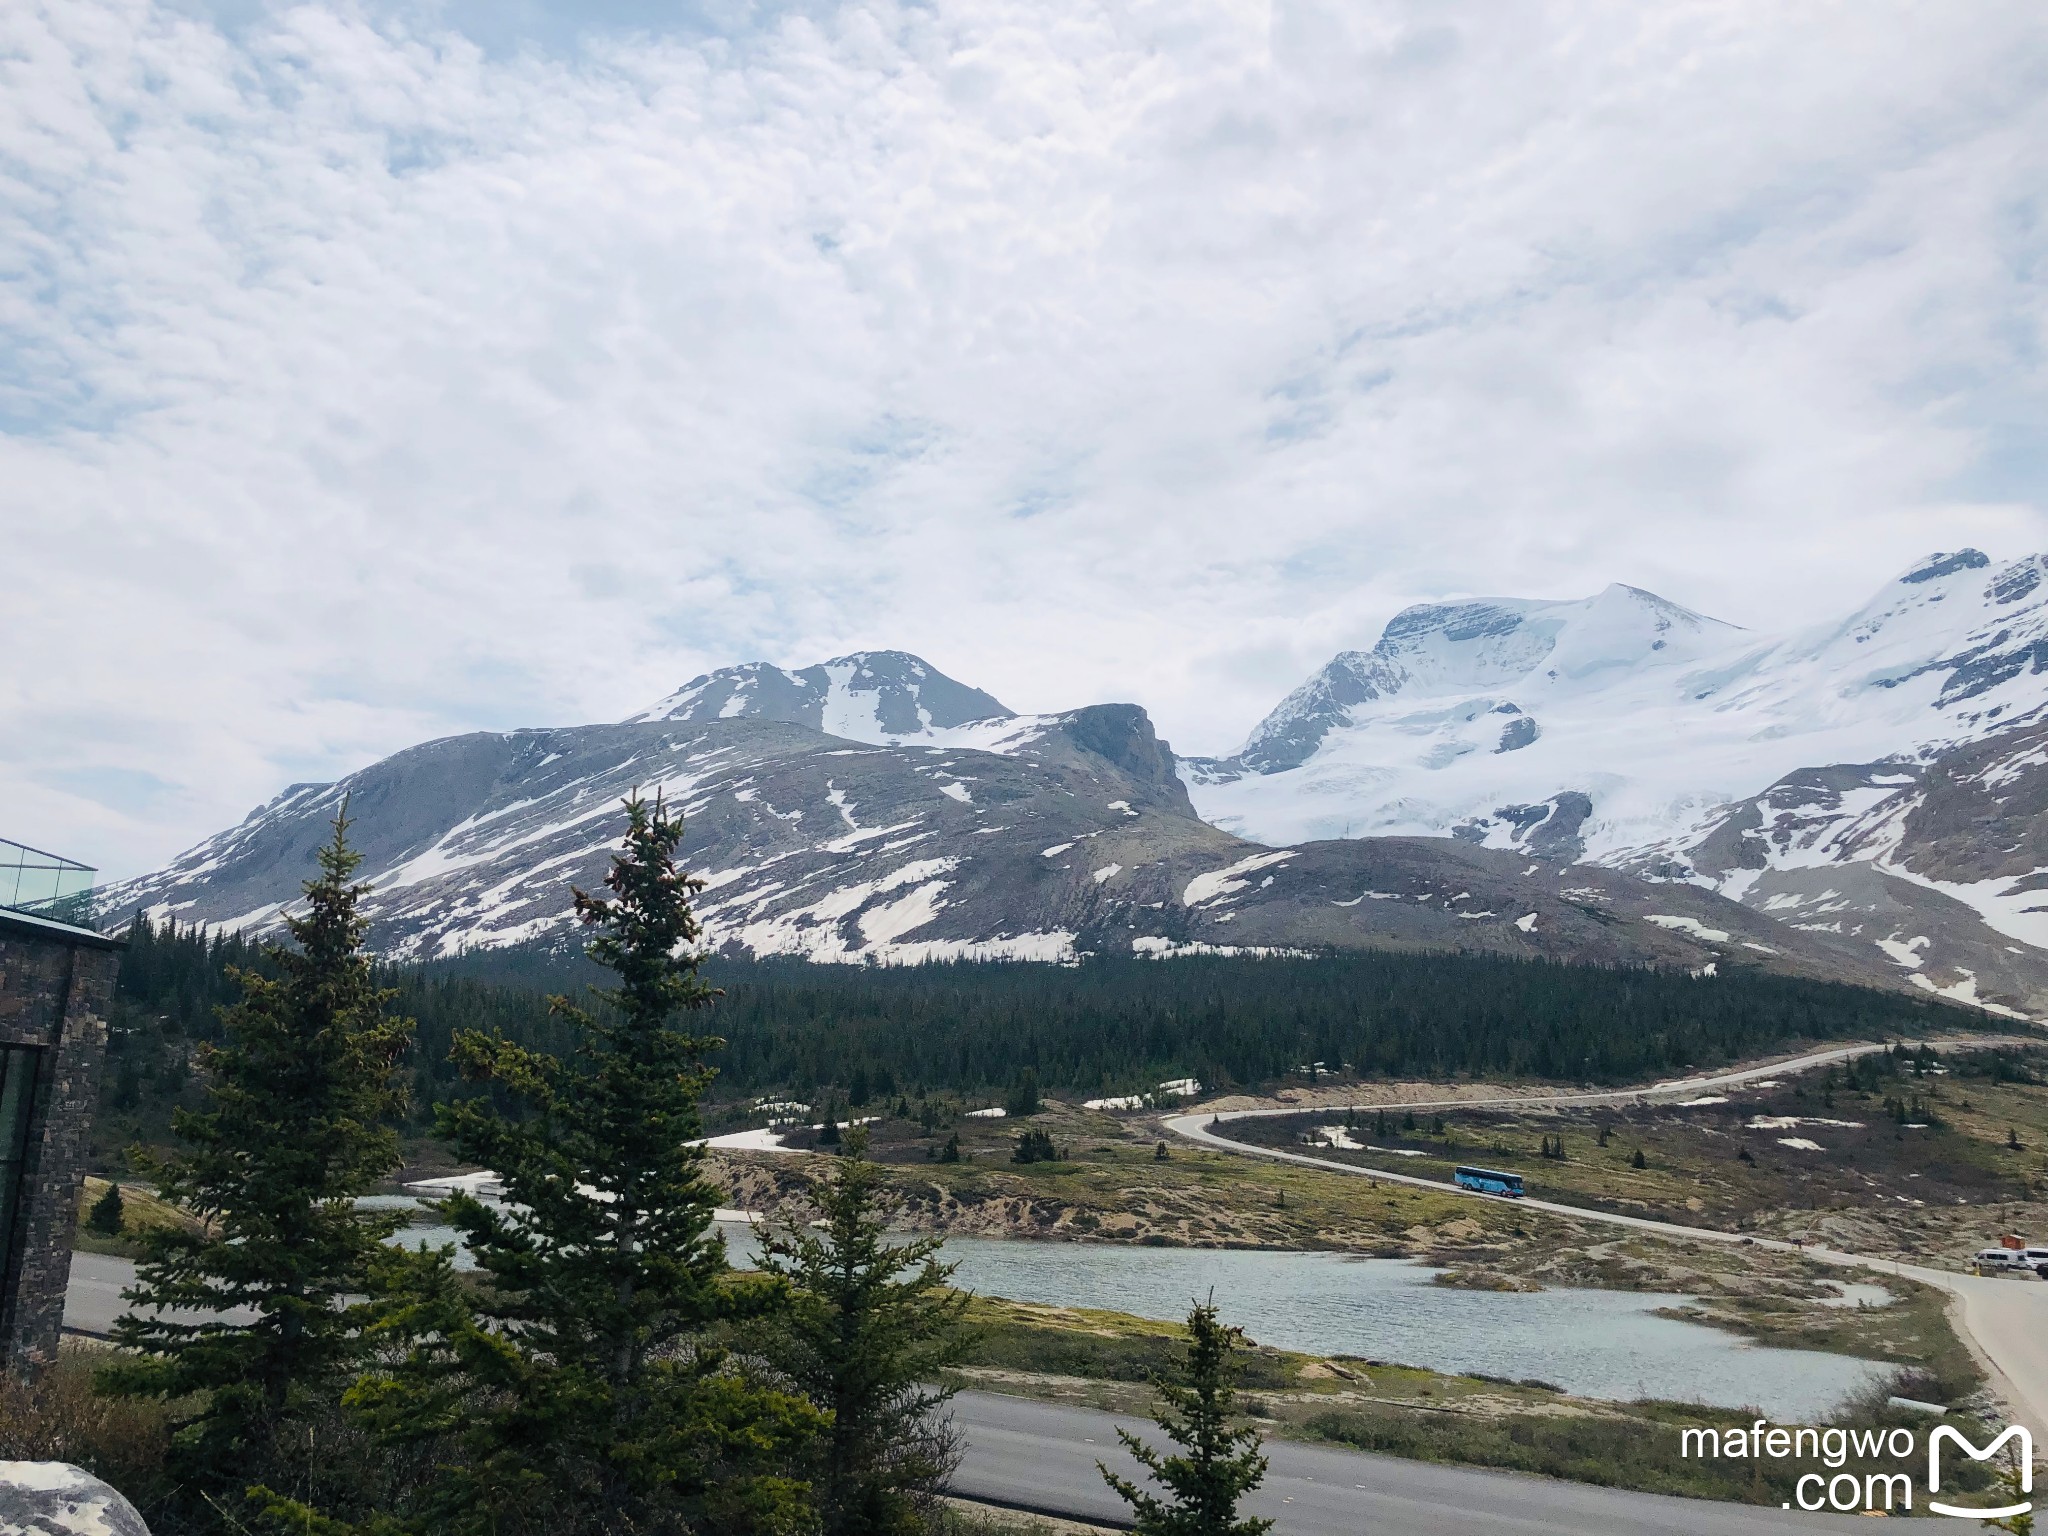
{"points": [[93, 1299], [2004, 1321], [1042, 1456]]}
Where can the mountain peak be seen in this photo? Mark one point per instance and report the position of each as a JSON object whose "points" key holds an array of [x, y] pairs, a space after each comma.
{"points": [[1473, 645], [873, 696], [1941, 564]]}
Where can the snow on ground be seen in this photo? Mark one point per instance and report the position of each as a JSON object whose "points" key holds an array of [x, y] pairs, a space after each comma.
{"points": [[1222, 882], [762, 1140], [1688, 925], [1662, 716], [1157, 948]]}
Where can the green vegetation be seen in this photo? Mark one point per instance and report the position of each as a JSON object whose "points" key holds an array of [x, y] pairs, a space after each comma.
{"points": [[1128, 1024], [1914, 1149], [603, 1368], [105, 1217], [290, 1135], [1008, 1033], [1639, 1449], [867, 1327], [1100, 1358], [1219, 1460], [140, 1210], [578, 1386]]}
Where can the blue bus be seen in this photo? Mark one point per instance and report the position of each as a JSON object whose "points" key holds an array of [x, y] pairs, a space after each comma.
{"points": [[1487, 1182]]}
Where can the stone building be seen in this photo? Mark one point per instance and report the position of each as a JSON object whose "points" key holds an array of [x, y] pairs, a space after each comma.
{"points": [[56, 982]]}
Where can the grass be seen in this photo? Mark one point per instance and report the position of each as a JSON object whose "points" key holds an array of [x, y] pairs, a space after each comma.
{"points": [[1111, 1186], [1100, 1346], [140, 1210], [1639, 1448], [962, 1517], [1825, 1154], [1106, 1360]]}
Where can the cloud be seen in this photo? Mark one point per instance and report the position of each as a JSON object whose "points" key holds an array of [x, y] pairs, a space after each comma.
{"points": [[375, 373]]}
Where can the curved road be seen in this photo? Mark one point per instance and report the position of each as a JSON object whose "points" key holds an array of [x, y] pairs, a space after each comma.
{"points": [[2004, 1321]]}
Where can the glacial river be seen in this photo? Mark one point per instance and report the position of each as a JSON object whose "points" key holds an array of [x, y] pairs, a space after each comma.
{"points": [[1604, 1344]]}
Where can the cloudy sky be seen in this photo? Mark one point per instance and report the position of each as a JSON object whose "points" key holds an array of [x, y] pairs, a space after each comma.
{"points": [[378, 371]]}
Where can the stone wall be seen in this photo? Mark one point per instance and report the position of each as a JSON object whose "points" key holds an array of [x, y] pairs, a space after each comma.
{"points": [[55, 987]]}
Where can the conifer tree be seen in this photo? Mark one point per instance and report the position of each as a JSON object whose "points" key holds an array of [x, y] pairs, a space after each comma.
{"points": [[1219, 1461], [292, 1131], [866, 1327], [106, 1215], [579, 1385]]}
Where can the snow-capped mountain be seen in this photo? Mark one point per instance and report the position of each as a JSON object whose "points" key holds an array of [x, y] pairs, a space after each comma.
{"points": [[1625, 730], [877, 696], [1075, 837], [1616, 779]]}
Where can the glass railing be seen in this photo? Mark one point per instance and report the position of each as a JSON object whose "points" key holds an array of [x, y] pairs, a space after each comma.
{"points": [[45, 884]]}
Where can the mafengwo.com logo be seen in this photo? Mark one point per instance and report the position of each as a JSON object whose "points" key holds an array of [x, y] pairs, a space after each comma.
{"points": [[1891, 1483]]}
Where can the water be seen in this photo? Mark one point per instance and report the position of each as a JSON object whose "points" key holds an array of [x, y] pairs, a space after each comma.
{"points": [[1601, 1344]]}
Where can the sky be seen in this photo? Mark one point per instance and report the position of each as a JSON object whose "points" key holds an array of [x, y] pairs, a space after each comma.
{"points": [[381, 371]]}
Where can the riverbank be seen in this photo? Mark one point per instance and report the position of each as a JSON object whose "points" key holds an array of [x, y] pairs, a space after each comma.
{"points": [[1104, 1360], [1110, 1186]]}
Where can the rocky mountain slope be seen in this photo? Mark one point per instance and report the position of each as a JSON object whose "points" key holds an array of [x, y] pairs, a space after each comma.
{"points": [[1874, 779], [1616, 778], [1060, 835]]}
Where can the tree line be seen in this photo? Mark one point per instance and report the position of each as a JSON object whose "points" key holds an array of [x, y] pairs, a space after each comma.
{"points": [[1112, 1025], [599, 1366]]}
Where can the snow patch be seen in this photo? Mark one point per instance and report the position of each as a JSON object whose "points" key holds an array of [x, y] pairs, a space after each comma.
{"points": [[1687, 925], [1222, 882]]}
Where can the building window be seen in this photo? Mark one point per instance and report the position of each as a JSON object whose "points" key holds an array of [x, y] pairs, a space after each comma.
{"points": [[17, 1106]]}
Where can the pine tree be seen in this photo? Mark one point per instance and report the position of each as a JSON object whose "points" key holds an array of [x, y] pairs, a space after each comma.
{"points": [[580, 1384], [2014, 1487], [866, 1327], [106, 1216], [1023, 1099], [1638, 1160], [290, 1135], [1219, 1463]]}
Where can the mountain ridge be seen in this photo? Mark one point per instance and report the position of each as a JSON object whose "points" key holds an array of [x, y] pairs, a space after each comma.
{"points": [[1620, 733]]}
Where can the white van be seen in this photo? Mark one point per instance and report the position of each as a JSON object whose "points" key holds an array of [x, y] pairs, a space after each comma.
{"points": [[1993, 1259], [2037, 1258]]}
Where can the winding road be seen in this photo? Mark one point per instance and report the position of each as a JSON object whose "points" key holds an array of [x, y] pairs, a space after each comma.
{"points": [[2004, 1321], [1041, 1456]]}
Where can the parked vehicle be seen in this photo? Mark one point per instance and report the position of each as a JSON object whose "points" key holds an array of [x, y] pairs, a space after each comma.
{"points": [[1996, 1261], [1488, 1182]]}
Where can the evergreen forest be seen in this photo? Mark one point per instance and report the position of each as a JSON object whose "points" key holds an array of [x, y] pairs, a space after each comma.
{"points": [[1110, 1025]]}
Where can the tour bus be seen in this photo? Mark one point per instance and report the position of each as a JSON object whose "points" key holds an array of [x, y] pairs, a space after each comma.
{"points": [[1487, 1182]]}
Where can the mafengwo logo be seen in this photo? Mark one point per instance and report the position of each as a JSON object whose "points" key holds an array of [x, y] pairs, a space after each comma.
{"points": [[1868, 1489], [2023, 1455]]}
